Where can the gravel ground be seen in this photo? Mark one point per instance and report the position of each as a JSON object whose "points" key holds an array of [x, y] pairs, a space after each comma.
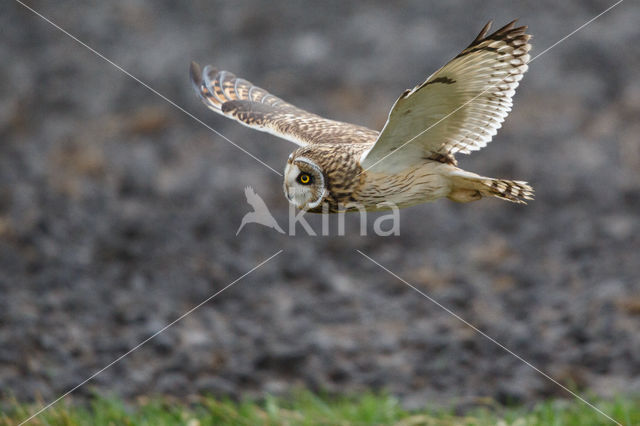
{"points": [[118, 212]]}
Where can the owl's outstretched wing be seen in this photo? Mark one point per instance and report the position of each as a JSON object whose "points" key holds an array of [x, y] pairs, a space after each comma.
{"points": [[459, 108], [254, 107]]}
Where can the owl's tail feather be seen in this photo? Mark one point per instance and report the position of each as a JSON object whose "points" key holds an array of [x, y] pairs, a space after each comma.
{"points": [[469, 187]]}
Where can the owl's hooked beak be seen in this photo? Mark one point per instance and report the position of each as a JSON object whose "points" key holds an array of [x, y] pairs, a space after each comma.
{"points": [[287, 193]]}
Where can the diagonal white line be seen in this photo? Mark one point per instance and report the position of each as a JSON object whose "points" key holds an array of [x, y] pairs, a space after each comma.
{"points": [[100, 55], [494, 85], [458, 317], [147, 339], [576, 30]]}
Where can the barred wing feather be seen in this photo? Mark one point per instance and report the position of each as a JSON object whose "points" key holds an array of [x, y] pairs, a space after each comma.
{"points": [[254, 107]]}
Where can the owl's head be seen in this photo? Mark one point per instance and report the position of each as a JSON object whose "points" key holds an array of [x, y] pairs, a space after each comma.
{"points": [[304, 183]]}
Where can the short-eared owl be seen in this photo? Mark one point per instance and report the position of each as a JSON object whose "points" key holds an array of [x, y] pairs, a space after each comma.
{"points": [[341, 166]]}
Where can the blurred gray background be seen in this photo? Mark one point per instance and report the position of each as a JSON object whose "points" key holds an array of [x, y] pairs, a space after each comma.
{"points": [[118, 212]]}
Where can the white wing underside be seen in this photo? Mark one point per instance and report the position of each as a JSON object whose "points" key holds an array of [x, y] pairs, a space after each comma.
{"points": [[459, 108]]}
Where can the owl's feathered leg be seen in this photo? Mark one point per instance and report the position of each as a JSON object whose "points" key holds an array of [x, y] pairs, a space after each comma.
{"points": [[468, 186]]}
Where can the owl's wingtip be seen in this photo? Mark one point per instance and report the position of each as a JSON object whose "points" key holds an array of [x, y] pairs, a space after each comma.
{"points": [[484, 31]]}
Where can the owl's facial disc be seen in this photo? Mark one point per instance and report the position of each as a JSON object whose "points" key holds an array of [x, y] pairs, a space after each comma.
{"points": [[304, 184]]}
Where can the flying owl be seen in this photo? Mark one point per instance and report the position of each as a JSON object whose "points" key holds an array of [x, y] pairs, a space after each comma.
{"points": [[340, 166]]}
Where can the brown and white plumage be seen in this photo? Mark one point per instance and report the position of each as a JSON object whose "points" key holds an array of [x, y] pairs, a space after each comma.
{"points": [[254, 107], [458, 109]]}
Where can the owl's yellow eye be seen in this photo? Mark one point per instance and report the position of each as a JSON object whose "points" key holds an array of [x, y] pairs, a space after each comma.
{"points": [[305, 178]]}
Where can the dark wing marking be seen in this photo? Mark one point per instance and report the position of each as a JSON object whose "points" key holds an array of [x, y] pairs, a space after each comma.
{"points": [[254, 107]]}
